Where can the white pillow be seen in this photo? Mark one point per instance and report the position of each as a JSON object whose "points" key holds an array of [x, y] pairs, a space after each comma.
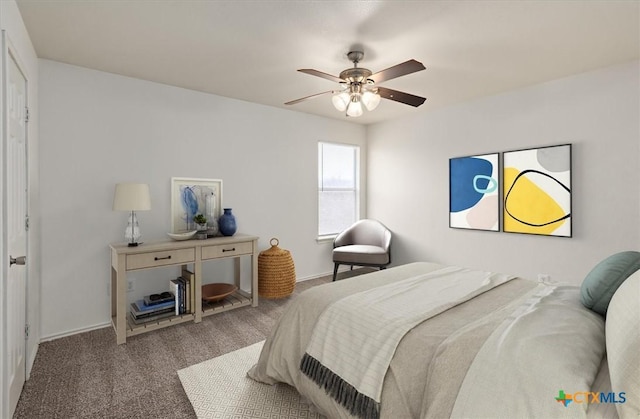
{"points": [[623, 345]]}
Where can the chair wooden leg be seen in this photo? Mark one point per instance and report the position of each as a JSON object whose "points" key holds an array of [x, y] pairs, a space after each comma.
{"points": [[335, 270]]}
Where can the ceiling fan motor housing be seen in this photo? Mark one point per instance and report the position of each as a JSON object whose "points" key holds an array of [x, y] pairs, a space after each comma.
{"points": [[356, 75]]}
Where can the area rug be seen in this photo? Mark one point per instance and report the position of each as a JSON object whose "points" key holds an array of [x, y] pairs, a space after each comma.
{"points": [[220, 388]]}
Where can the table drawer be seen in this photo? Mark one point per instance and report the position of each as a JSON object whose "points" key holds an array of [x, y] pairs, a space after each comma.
{"points": [[226, 250], [162, 258]]}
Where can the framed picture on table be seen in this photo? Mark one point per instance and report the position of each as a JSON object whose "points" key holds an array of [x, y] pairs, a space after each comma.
{"points": [[193, 196]]}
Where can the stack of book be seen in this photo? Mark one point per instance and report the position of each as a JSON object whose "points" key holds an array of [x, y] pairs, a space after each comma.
{"points": [[158, 306], [183, 288], [151, 309]]}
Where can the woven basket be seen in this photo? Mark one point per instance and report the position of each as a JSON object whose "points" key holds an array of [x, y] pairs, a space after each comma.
{"points": [[276, 272]]}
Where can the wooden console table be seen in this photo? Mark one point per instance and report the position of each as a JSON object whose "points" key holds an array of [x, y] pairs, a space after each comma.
{"points": [[179, 253]]}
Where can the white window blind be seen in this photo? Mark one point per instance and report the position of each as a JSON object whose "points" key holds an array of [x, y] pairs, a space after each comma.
{"points": [[338, 187]]}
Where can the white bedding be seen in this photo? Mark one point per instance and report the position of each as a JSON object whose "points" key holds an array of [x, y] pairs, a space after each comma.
{"points": [[431, 361], [552, 343], [356, 337]]}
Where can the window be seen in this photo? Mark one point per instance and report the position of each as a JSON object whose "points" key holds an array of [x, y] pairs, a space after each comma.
{"points": [[338, 187]]}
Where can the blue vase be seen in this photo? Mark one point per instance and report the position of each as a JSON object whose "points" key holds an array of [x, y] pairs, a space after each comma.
{"points": [[227, 223]]}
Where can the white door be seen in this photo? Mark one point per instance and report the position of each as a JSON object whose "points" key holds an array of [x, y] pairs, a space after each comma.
{"points": [[16, 204]]}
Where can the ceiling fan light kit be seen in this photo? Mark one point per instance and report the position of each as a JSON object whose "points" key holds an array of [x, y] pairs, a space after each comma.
{"points": [[341, 101], [354, 109], [371, 100], [358, 86]]}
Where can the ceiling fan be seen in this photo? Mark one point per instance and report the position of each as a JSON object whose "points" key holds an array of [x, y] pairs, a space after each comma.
{"points": [[358, 86]]}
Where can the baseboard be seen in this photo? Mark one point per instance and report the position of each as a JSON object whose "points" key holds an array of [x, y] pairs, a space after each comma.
{"points": [[308, 278], [31, 360], [342, 268], [74, 332]]}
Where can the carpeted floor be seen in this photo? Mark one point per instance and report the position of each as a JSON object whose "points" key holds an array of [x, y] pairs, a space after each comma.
{"points": [[89, 376]]}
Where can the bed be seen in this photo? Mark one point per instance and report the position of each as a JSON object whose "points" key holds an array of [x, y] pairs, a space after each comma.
{"points": [[506, 347]]}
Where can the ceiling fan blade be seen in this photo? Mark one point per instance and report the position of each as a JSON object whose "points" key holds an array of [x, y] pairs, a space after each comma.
{"points": [[406, 98], [402, 69], [293, 102], [321, 74]]}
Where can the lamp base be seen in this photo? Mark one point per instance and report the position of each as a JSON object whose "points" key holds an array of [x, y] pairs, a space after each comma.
{"points": [[132, 232]]}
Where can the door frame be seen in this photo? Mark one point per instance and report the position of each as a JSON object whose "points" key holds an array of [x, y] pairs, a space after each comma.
{"points": [[10, 52]]}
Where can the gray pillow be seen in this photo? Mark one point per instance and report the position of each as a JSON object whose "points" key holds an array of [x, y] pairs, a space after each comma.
{"points": [[604, 279]]}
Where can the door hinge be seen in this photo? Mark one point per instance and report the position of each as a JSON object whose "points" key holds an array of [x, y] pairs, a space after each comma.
{"points": [[26, 115], [26, 223], [26, 331]]}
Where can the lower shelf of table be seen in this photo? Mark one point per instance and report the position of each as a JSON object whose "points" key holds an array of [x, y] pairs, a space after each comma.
{"points": [[236, 300], [136, 329]]}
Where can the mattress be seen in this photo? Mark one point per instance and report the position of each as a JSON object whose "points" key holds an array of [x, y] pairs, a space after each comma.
{"points": [[431, 362]]}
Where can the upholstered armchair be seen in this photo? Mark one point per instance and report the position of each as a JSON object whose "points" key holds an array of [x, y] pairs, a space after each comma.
{"points": [[365, 243]]}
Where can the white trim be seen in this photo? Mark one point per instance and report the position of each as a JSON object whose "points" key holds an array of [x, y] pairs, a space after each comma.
{"points": [[308, 278], [329, 238], [75, 332], [4, 379], [342, 268], [31, 360]]}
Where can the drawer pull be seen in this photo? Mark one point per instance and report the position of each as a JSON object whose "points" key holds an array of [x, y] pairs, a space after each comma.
{"points": [[164, 258], [233, 249]]}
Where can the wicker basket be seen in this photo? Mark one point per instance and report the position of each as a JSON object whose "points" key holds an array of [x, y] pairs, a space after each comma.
{"points": [[276, 272]]}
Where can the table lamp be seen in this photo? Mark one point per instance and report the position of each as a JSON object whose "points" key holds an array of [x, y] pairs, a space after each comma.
{"points": [[132, 197]]}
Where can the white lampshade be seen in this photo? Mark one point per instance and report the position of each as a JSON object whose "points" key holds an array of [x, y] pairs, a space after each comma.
{"points": [[131, 197], [340, 101], [371, 100], [354, 109]]}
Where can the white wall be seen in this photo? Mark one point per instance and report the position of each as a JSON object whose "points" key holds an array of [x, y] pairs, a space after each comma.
{"points": [[597, 112], [11, 22], [99, 129]]}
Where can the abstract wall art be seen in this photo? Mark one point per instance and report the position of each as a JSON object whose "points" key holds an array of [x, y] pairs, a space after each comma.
{"points": [[474, 190], [189, 197], [537, 191]]}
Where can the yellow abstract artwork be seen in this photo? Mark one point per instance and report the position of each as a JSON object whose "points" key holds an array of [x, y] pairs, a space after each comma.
{"points": [[537, 191]]}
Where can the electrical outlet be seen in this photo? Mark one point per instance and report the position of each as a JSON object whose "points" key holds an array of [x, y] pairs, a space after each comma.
{"points": [[544, 278], [129, 285]]}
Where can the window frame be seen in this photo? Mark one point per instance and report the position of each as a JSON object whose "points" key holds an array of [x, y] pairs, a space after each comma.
{"points": [[320, 188]]}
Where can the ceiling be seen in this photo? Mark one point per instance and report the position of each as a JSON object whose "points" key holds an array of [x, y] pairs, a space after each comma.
{"points": [[250, 50]]}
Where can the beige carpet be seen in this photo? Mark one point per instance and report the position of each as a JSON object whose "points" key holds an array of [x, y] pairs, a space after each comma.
{"points": [[220, 388]]}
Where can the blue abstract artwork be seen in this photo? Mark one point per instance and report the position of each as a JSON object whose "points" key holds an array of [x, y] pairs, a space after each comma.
{"points": [[474, 192], [189, 202]]}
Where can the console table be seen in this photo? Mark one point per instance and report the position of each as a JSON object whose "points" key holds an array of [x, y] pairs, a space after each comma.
{"points": [[169, 252]]}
